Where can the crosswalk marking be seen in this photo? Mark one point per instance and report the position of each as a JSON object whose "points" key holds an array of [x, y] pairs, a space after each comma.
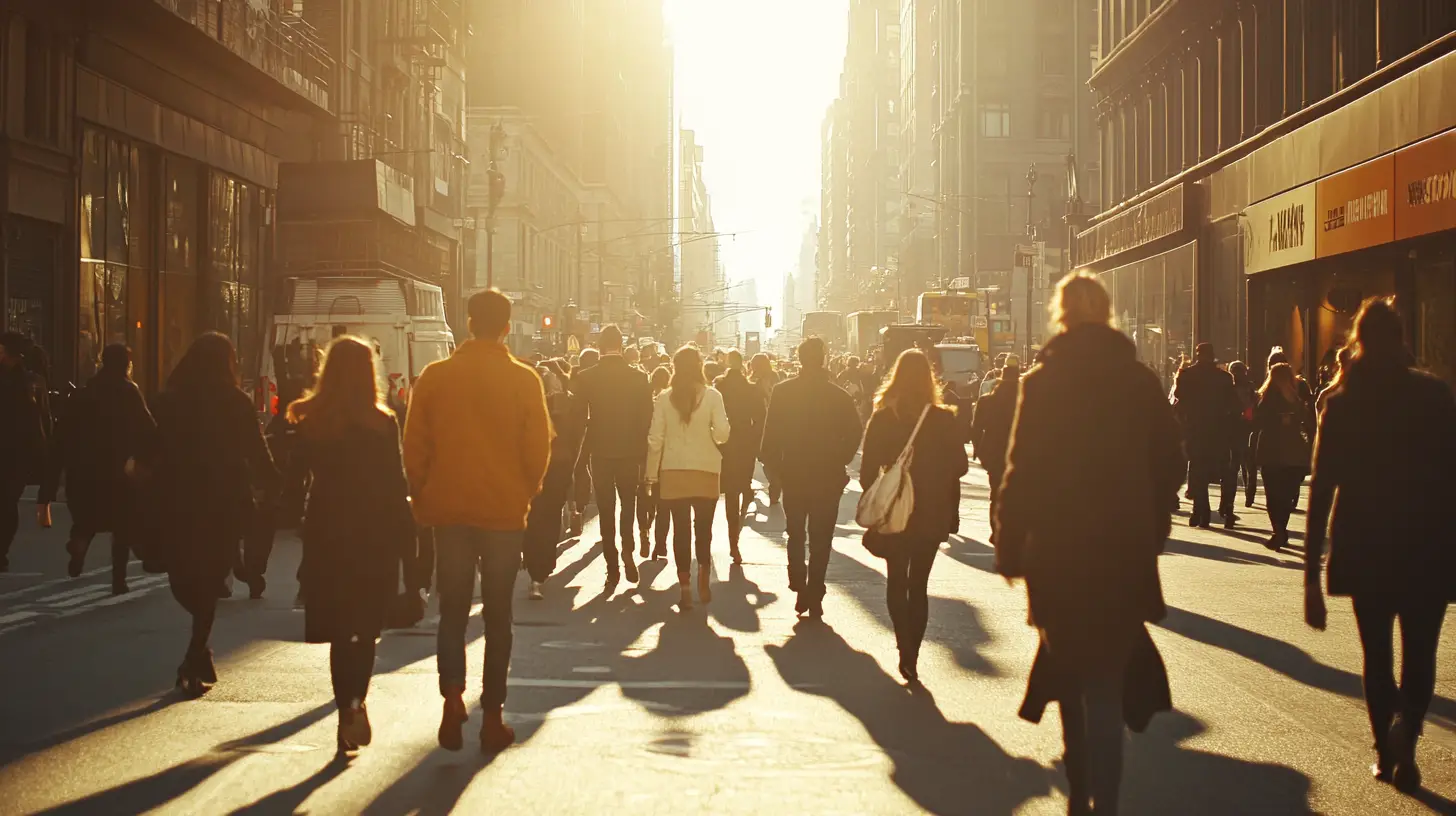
{"points": [[29, 606]]}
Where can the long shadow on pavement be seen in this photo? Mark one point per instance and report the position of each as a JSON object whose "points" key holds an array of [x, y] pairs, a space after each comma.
{"points": [[943, 766]]}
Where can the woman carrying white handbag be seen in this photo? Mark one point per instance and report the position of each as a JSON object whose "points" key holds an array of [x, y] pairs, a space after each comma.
{"points": [[911, 467]]}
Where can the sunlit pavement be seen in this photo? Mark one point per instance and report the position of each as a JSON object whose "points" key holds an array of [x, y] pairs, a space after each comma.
{"points": [[624, 705]]}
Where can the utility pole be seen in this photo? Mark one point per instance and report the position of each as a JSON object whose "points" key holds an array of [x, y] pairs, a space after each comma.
{"points": [[497, 189], [1031, 265]]}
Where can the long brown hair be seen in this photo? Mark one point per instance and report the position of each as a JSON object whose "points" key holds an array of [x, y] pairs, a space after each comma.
{"points": [[210, 362], [347, 393], [1281, 378], [688, 381], [911, 386]]}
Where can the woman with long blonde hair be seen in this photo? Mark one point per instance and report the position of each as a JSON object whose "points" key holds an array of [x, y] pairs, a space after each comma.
{"points": [[357, 525], [909, 403], [684, 463]]}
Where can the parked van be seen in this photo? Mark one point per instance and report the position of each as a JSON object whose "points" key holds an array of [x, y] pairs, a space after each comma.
{"points": [[405, 320]]}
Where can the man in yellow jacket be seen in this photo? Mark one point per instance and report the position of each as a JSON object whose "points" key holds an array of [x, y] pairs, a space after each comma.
{"points": [[477, 440]]}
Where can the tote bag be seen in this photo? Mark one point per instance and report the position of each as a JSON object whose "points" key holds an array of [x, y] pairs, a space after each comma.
{"points": [[887, 505]]}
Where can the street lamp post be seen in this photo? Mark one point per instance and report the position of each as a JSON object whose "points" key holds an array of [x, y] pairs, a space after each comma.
{"points": [[1031, 264], [497, 190]]}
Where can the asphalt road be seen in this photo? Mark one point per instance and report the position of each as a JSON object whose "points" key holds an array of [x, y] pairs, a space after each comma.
{"points": [[624, 705]]}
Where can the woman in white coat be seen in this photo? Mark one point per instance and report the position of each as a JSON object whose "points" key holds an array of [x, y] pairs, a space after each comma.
{"points": [[683, 465]]}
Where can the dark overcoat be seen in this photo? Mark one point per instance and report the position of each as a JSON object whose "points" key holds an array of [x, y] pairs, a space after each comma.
{"points": [[1209, 409], [356, 526], [104, 425], [1384, 477], [939, 461], [1095, 465], [746, 408], [811, 434]]}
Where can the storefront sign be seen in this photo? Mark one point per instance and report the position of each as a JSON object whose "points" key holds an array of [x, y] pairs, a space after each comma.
{"points": [[1158, 217], [1425, 187], [1280, 231], [1355, 208]]}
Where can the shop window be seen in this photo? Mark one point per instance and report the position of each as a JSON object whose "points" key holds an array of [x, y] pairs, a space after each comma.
{"points": [[177, 313], [1435, 318], [230, 278]]}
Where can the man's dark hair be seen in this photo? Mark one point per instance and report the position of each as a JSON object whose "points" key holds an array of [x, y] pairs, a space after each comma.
{"points": [[812, 352], [116, 359], [610, 340], [490, 314]]}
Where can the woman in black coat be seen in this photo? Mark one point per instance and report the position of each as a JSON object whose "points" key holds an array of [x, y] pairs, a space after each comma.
{"points": [[1283, 426], [1387, 444], [356, 523], [746, 407], [212, 454], [543, 524], [938, 463], [106, 426], [1094, 468]]}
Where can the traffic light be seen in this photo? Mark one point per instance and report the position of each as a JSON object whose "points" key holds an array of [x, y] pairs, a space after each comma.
{"points": [[767, 318], [548, 322]]}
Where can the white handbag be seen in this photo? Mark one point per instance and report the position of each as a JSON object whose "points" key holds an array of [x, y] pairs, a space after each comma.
{"points": [[887, 505]]}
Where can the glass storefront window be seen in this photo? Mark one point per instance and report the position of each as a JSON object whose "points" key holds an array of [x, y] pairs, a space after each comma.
{"points": [[1436, 318], [177, 313], [91, 290]]}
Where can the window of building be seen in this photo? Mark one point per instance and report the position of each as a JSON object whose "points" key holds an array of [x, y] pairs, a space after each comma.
{"points": [[1056, 56], [42, 86], [996, 120], [1054, 120], [177, 301], [994, 58]]}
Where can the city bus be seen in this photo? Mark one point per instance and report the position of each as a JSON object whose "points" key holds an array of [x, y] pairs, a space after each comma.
{"points": [[827, 326], [957, 312], [864, 329]]}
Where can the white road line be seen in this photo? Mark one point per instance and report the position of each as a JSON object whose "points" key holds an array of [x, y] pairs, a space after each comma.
{"points": [[15, 617], [53, 582], [5, 630], [93, 594], [695, 685]]}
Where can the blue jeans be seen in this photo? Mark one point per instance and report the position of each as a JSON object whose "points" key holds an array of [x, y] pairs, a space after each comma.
{"points": [[460, 553]]}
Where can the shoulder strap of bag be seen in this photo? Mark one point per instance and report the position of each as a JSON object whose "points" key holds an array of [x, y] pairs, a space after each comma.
{"points": [[910, 443]]}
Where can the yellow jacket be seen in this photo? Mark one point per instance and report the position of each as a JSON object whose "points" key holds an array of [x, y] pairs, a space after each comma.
{"points": [[477, 440]]}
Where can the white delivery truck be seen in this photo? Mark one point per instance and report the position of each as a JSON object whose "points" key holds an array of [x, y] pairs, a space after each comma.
{"points": [[405, 320]]}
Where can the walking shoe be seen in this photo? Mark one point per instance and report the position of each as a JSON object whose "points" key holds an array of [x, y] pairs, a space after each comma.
{"points": [[796, 580], [613, 578], [354, 726], [705, 578], [801, 602], [576, 523], [256, 587], [908, 668], [659, 555], [629, 566], [78, 559], [119, 588], [685, 599], [202, 664], [1277, 541], [495, 735], [1249, 501], [816, 609], [1229, 520], [734, 553], [451, 720], [1401, 749], [535, 592], [644, 534]]}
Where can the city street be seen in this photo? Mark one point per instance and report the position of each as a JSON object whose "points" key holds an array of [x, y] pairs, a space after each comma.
{"points": [[624, 705]]}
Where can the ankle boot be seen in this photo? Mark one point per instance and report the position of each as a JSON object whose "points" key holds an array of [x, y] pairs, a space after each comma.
{"points": [[495, 735], [451, 720]]}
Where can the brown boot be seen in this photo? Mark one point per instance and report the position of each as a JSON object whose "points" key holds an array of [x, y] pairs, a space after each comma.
{"points": [[495, 735], [705, 576], [451, 720], [685, 600]]}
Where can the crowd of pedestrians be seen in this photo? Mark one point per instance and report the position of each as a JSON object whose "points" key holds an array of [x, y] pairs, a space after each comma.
{"points": [[493, 460]]}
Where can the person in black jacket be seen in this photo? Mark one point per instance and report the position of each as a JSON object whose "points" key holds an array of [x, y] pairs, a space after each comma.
{"points": [[22, 436], [618, 399], [543, 523], [1208, 407], [991, 431], [937, 467], [810, 435], [1282, 428], [1387, 444], [357, 523], [212, 454], [106, 429], [746, 409], [1085, 510]]}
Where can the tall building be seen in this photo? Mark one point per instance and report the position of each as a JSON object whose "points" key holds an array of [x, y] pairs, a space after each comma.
{"points": [[1007, 99], [861, 142], [917, 268], [701, 288], [573, 101], [1267, 165]]}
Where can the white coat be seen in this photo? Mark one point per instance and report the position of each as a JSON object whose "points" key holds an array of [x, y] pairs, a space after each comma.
{"points": [[675, 445]]}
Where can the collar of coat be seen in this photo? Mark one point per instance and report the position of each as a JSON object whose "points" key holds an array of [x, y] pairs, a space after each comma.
{"points": [[476, 346], [1089, 340]]}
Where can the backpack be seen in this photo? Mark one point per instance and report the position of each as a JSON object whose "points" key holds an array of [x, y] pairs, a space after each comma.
{"points": [[886, 506]]}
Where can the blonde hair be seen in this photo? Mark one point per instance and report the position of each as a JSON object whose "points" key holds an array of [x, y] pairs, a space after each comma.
{"points": [[1080, 300], [911, 385], [347, 391]]}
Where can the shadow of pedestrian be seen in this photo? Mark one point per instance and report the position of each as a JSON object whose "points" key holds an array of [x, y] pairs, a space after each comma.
{"points": [[737, 601], [433, 787], [9, 754], [705, 666], [289, 799], [156, 790], [1177, 546], [1162, 776], [944, 767]]}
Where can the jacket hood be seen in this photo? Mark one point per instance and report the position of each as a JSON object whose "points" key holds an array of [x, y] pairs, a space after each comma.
{"points": [[1089, 344]]}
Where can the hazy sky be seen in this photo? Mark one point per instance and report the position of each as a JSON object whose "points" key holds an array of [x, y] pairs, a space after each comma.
{"points": [[754, 78]]}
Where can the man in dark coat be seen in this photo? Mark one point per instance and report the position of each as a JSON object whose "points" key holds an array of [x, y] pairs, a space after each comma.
{"points": [[22, 437], [1209, 408], [1084, 512], [746, 408], [810, 436], [991, 432], [619, 412]]}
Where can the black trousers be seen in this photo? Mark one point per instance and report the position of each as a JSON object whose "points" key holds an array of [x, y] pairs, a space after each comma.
{"points": [[734, 506], [419, 565], [1420, 634], [543, 524], [11, 487], [994, 475], [1237, 463], [258, 542], [1281, 490], [906, 592], [351, 665], [811, 519], [616, 479], [661, 527], [691, 518], [121, 547]]}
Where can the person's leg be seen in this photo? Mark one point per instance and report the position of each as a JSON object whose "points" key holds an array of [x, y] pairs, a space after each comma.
{"points": [[258, 547], [897, 565], [120, 556], [77, 546], [993, 477], [1102, 696], [703, 512], [1420, 635], [1251, 472], [1375, 621], [543, 524], [823, 515], [1228, 487], [341, 668], [11, 488], [1276, 497], [456, 554], [604, 482], [1198, 492], [733, 506], [922, 559], [644, 519], [1074, 752], [682, 531], [663, 525], [499, 554], [628, 476], [363, 668], [796, 514]]}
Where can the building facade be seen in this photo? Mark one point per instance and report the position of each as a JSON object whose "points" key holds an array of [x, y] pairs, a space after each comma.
{"points": [[701, 283], [1269, 165]]}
